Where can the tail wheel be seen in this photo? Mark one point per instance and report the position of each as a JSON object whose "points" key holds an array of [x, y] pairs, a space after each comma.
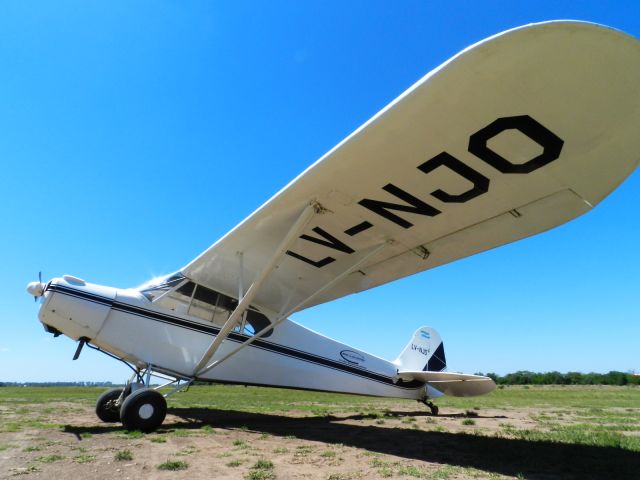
{"points": [[432, 406], [107, 406], [144, 410]]}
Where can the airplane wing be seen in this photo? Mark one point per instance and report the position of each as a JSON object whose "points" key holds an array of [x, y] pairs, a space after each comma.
{"points": [[513, 136]]}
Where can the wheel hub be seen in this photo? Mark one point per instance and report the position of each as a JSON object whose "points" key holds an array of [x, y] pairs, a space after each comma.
{"points": [[145, 411]]}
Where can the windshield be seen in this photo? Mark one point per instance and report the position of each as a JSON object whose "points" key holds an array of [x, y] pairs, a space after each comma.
{"points": [[158, 286]]}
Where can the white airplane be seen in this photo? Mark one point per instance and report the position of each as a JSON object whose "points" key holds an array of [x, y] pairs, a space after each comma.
{"points": [[513, 136]]}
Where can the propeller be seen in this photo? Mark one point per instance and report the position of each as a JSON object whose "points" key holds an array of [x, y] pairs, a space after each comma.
{"points": [[36, 288]]}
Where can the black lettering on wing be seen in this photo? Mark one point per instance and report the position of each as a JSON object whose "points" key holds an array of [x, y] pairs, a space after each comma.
{"points": [[356, 229], [413, 205], [551, 144], [479, 181], [327, 240], [316, 263]]}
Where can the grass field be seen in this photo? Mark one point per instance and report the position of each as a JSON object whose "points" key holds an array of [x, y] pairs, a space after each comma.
{"points": [[255, 433]]}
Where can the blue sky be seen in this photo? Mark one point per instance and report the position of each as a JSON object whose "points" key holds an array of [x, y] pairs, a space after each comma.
{"points": [[135, 134]]}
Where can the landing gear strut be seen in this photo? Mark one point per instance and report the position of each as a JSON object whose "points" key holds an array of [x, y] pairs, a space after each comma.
{"points": [[432, 406]]}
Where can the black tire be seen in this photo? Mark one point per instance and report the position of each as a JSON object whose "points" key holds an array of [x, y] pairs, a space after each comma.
{"points": [[107, 407], [434, 410], [144, 410]]}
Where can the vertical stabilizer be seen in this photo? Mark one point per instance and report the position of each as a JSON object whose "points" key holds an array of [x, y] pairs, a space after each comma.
{"points": [[425, 352]]}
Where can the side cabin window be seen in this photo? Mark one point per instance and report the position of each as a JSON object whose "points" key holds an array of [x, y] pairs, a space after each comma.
{"points": [[215, 307]]}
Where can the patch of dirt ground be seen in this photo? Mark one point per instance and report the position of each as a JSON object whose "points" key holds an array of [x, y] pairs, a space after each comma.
{"points": [[66, 441]]}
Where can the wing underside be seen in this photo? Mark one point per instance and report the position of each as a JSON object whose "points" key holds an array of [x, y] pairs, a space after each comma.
{"points": [[513, 136]]}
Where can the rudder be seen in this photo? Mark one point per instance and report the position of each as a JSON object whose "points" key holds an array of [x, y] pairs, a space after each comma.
{"points": [[425, 352]]}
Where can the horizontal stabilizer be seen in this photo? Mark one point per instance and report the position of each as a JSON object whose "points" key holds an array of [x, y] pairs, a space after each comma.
{"points": [[453, 384]]}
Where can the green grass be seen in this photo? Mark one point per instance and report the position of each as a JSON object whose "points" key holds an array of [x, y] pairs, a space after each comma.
{"points": [[578, 434], [390, 469], [411, 471], [582, 397], [377, 463], [27, 424], [173, 465], [50, 458], [124, 455], [449, 471], [265, 400], [261, 470], [84, 458], [190, 450], [263, 465], [260, 475], [44, 395]]}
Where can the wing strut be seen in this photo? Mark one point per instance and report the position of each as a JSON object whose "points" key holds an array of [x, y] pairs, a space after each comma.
{"points": [[299, 306], [246, 300]]}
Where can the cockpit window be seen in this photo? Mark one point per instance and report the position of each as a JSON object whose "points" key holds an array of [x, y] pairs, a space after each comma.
{"points": [[208, 296], [205, 303]]}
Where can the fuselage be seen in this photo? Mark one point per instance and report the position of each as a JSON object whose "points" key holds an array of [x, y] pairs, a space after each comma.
{"points": [[163, 334]]}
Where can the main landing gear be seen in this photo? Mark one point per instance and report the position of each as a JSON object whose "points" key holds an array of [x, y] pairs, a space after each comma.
{"points": [[138, 406]]}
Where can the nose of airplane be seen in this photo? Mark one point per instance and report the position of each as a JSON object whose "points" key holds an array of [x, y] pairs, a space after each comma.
{"points": [[36, 289]]}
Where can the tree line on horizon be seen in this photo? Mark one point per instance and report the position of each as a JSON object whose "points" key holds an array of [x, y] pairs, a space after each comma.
{"points": [[525, 377]]}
